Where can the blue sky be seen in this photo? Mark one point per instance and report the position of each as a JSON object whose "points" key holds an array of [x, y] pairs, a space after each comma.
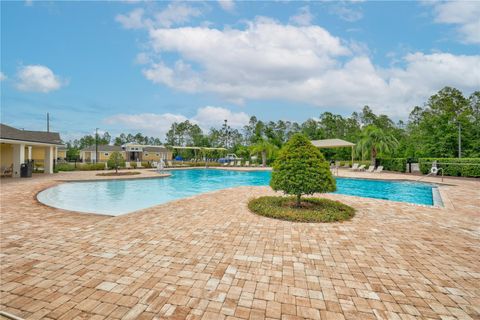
{"points": [[138, 66]]}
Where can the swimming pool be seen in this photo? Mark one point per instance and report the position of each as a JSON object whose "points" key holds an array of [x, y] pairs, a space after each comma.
{"points": [[116, 197]]}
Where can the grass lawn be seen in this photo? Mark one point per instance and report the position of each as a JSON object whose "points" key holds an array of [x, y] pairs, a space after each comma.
{"points": [[311, 209]]}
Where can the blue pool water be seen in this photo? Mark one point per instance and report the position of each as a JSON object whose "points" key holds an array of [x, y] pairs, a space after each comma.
{"points": [[116, 197]]}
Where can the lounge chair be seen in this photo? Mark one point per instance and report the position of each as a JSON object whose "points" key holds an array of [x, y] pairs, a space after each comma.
{"points": [[379, 169], [247, 163], [361, 168], [371, 169], [239, 163], [154, 164], [127, 165], [232, 163], [169, 163], [225, 164], [355, 167], [139, 165], [7, 171]]}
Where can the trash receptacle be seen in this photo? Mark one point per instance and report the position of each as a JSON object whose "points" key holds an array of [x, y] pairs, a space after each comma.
{"points": [[26, 170]]}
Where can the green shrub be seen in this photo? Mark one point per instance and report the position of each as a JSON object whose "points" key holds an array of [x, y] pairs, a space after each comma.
{"points": [[465, 167], [91, 166], [133, 164], [65, 167], [394, 164], [115, 161], [301, 169], [311, 210]]}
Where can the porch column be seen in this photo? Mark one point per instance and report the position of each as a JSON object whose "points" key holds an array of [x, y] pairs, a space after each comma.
{"points": [[56, 153], [48, 160], [18, 158], [29, 152]]}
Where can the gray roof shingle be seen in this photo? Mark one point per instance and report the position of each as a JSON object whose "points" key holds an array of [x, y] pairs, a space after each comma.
{"points": [[11, 133], [104, 147]]}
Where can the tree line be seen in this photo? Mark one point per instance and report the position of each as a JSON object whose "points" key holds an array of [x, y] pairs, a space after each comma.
{"points": [[431, 130]]}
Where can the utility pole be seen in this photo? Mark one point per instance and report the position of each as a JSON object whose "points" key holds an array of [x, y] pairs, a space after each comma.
{"points": [[48, 122], [96, 145]]}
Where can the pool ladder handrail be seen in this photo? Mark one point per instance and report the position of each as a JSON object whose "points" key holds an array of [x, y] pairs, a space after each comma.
{"points": [[430, 173]]}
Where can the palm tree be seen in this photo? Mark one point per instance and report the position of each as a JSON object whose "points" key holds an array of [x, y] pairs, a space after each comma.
{"points": [[374, 141], [263, 147]]}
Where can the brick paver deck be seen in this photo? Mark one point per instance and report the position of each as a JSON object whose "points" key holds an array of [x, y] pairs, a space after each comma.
{"points": [[208, 257]]}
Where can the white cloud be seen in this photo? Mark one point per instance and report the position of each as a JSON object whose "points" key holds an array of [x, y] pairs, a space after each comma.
{"points": [[346, 12], [175, 13], [2, 76], [227, 5], [464, 14], [155, 124], [132, 20], [267, 60], [38, 78], [303, 18], [209, 116], [147, 123]]}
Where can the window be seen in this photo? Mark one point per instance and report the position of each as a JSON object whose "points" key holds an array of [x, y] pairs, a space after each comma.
{"points": [[157, 154], [106, 153], [146, 153]]}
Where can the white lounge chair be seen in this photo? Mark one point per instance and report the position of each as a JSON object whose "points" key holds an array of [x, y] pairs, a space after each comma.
{"points": [[139, 165], [154, 164], [355, 166], [379, 169], [169, 163], [232, 163], [247, 163], [127, 165], [371, 169], [239, 163], [361, 168], [225, 164]]}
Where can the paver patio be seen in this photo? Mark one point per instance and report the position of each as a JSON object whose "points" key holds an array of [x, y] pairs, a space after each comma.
{"points": [[208, 257]]}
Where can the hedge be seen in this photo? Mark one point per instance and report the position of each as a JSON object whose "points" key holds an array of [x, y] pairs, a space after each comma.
{"points": [[465, 167], [360, 162], [394, 164]]}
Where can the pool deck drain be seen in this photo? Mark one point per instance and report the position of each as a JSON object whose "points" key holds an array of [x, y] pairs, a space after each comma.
{"points": [[208, 257]]}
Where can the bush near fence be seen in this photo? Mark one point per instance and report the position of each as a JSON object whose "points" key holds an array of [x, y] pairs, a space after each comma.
{"points": [[394, 164], [464, 167]]}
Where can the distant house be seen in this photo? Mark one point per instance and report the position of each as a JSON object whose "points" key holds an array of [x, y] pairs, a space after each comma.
{"points": [[129, 151], [134, 152], [17, 146], [99, 154]]}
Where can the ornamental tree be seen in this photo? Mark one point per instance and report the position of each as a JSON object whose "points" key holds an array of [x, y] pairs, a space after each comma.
{"points": [[301, 169], [115, 161]]}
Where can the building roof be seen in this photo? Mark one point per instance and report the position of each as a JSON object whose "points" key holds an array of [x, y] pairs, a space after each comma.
{"points": [[332, 143], [103, 148], [155, 149], [11, 133]]}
